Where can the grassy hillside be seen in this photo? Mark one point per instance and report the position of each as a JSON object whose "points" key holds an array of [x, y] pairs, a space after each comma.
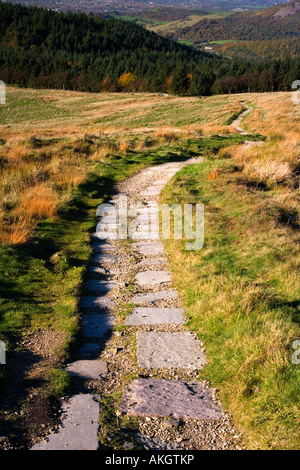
{"points": [[278, 22], [62, 153], [269, 34], [257, 50]]}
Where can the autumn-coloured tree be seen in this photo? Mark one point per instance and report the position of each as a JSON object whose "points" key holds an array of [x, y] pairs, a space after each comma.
{"points": [[126, 81]]}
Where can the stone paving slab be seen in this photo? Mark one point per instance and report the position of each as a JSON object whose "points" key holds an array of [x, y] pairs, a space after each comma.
{"points": [[144, 235], [154, 315], [149, 248], [89, 302], [96, 325], [80, 426], [152, 262], [102, 248], [109, 219], [179, 399], [100, 270], [88, 369], [103, 258], [157, 350], [107, 227], [96, 285], [88, 349], [154, 296], [148, 278]]}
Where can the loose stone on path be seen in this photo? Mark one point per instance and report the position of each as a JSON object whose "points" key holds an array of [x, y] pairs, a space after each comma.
{"points": [[153, 315], [158, 350], [179, 399]]}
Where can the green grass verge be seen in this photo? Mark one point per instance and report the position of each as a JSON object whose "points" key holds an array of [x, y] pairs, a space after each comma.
{"points": [[241, 293]]}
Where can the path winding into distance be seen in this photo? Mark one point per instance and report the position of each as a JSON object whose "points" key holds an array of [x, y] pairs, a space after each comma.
{"points": [[166, 351]]}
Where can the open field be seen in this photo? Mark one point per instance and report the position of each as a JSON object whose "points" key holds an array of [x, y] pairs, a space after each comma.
{"points": [[189, 21], [62, 153], [164, 26]]}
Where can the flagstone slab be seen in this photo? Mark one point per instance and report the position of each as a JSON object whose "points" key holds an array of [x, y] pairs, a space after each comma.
{"points": [[100, 270], [146, 262], [148, 278], [96, 325], [109, 219], [98, 259], [179, 399], [103, 248], [149, 248], [88, 369], [80, 426], [154, 297], [100, 286], [159, 350], [88, 349], [89, 302], [154, 315]]}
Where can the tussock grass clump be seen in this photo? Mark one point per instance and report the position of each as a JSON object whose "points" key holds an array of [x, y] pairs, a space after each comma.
{"points": [[268, 171], [167, 135], [17, 230], [270, 163], [39, 202]]}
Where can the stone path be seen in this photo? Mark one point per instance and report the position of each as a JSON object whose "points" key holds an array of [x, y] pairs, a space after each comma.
{"points": [[165, 349], [236, 123]]}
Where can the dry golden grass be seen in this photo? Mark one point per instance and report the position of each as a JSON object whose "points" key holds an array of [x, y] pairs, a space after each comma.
{"points": [[167, 135], [124, 146], [268, 171], [210, 129], [17, 231], [45, 154], [39, 202]]}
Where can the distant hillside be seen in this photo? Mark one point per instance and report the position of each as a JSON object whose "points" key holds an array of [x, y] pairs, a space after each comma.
{"points": [[275, 49], [45, 49], [277, 22]]}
